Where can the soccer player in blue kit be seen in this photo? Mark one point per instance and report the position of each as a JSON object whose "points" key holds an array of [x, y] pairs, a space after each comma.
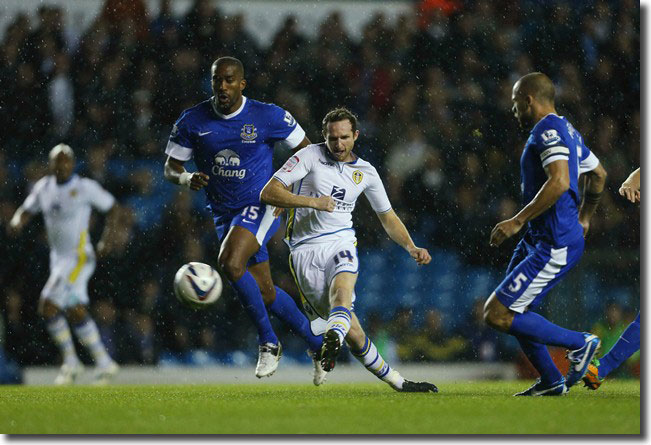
{"points": [[552, 244], [231, 139]]}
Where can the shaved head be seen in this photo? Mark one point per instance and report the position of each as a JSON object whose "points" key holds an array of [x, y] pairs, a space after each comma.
{"points": [[230, 61], [61, 149], [537, 85]]}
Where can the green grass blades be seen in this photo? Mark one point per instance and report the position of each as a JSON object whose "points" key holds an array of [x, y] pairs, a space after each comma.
{"points": [[459, 408]]}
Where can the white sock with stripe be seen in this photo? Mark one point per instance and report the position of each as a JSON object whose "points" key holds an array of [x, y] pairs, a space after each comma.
{"points": [[370, 357], [60, 333], [339, 321], [88, 335]]}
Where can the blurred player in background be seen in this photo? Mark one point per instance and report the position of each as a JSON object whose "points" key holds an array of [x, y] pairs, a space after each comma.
{"points": [[554, 240], [65, 200], [326, 180], [629, 342], [231, 140]]}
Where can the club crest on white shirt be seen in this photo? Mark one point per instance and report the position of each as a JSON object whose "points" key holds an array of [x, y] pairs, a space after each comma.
{"points": [[357, 176]]}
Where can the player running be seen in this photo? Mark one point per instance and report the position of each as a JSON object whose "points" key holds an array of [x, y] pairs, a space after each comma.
{"points": [[65, 200], [552, 244], [231, 139], [326, 180], [629, 342]]}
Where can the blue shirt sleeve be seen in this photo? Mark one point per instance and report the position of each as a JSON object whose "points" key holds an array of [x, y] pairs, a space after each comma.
{"points": [[181, 143], [283, 127], [550, 143]]}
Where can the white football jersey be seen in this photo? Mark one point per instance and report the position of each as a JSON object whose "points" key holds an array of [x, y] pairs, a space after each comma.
{"points": [[312, 172], [66, 209]]}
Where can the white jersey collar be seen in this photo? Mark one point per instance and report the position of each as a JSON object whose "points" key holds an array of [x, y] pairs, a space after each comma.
{"points": [[227, 116]]}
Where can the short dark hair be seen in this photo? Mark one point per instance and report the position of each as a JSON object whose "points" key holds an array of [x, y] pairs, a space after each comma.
{"points": [[230, 61], [339, 114]]}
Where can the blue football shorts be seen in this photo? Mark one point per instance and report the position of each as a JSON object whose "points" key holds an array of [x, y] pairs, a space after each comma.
{"points": [[257, 219], [535, 268]]}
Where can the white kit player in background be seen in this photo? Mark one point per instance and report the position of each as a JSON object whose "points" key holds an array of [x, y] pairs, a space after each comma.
{"points": [[326, 180], [65, 200]]}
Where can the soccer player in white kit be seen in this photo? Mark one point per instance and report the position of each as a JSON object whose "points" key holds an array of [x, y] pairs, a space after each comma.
{"points": [[65, 200], [326, 180]]}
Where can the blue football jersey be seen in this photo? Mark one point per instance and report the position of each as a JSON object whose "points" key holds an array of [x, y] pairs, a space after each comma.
{"points": [[553, 138], [235, 150]]}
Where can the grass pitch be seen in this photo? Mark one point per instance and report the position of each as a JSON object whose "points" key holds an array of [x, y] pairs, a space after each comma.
{"points": [[459, 408]]}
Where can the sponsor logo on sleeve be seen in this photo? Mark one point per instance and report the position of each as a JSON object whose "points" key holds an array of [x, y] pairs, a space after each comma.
{"points": [[290, 164], [550, 137], [289, 119], [175, 131]]}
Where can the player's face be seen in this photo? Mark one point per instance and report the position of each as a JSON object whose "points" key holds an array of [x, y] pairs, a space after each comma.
{"points": [[521, 107], [62, 167], [340, 140], [227, 86]]}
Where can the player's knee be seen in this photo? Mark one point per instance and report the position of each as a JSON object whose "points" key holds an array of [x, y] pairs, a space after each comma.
{"points": [[341, 297], [232, 268], [47, 310], [77, 314], [497, 319], [268, 294]]}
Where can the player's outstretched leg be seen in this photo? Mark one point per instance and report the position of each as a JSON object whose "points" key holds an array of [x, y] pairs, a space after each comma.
{"points": [[364, 350], [627, 345], [88, 335], [284, 307], [551, 380]]}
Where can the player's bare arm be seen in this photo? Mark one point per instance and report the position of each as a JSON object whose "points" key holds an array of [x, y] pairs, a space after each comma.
{"points": [[395, 228], [276, 194], [630, 189], [595, 181], [558, 182], [304, 143], [176, 174], [18, 221]]}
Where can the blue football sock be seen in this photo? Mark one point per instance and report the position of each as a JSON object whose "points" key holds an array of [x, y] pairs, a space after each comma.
{"points": [[251, 298], [538, 329], [627, 345], [538, 355], [284, 307]]}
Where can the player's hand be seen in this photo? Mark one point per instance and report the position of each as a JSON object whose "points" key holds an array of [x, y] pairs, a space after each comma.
{"points": [[420, 255], [194, 181], [278, 211], [629, 192], [505, 229], [325, 203]]}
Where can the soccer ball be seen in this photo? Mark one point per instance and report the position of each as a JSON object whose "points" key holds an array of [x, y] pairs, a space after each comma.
{"points": [[197, 284]]}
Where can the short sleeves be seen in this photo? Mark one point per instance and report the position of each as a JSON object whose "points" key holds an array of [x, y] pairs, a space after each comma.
{"points": [[296, 167], [283, 127], [97, 196], [32, 203], [377, 194], [180, 145], [588, 162], [550, 145]]}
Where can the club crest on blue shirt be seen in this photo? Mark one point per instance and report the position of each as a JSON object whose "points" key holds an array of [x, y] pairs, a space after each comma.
{"points": [[248, 133]]}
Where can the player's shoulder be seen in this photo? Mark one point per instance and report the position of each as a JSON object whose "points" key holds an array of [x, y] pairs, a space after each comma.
{"points": [[363, 164], [196, 112], [273, 112], [550, 130], [43, 183], [260, 106]]}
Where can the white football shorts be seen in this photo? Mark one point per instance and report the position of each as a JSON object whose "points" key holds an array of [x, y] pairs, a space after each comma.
{"points": [[67, 285], [314, 266]]}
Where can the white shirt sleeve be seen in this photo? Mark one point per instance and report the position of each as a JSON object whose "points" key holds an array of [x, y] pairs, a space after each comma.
{"points": [[32, 204], [589, 163], [97, 196], [377, 194], [296, 167]]}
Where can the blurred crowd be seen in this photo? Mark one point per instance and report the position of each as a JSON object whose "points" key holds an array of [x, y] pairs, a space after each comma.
{"points": [[432, 91]]}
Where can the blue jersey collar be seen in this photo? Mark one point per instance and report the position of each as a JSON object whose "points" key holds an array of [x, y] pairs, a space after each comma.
{"points": [[227, 116]]}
